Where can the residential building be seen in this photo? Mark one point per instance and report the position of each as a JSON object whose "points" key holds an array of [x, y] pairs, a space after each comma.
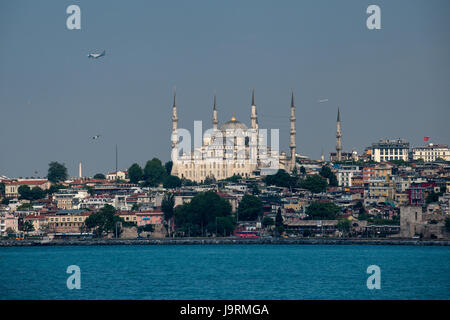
{"points": [[8, 221], [431, 152], [346, 173]]}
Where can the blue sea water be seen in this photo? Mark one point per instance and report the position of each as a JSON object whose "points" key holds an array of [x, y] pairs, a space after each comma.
{"points": [[225, 272]]}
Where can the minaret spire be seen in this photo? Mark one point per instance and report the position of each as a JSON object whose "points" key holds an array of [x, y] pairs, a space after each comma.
{"points": [[215, 120], [254, 116], [292, 99], [292, 133], [338, 137], [174, 118]]}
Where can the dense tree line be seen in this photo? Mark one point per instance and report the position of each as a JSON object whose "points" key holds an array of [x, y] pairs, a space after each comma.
{"points": [[31, 194], [250, 208], [315, 183], [153, 174], [322, 211], [206, 214], [104, 221]]}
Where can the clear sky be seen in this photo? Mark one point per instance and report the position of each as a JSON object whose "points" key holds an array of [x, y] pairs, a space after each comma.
{"points": [[389, 83]]}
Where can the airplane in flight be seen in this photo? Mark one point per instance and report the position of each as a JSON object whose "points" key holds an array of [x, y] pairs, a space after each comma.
{"points": [[96, 55]]}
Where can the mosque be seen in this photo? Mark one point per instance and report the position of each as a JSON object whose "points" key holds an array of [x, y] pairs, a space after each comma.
{"points": [[231, 149]]}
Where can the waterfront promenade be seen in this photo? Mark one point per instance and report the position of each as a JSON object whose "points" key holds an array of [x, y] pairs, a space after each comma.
{"points": [[222, 241]]}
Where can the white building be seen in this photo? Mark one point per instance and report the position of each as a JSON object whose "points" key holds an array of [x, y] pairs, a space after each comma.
{"points": [[388, 150], [119, 175], [345, 174], [431, 152]]}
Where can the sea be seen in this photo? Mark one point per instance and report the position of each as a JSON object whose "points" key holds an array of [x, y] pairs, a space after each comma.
{"points": [[242, 272]]}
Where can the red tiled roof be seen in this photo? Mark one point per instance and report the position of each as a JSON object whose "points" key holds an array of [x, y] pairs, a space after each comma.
{"points": [[28, 182], [35, 217]]}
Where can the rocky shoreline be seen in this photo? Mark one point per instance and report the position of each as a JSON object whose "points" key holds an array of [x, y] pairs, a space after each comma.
{"points": [[220, 241]]}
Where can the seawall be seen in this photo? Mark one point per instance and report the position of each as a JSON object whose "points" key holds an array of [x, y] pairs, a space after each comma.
{"points": [[220, 241]]}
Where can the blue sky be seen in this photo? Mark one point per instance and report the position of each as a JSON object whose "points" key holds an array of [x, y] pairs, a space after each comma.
{"points": [[389, 83]]}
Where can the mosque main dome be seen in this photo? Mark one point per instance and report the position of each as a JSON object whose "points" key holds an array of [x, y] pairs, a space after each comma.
{"points": [[233, 124]]}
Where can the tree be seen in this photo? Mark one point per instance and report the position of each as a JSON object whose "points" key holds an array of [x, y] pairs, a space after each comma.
{"points": [[135, 207], [279, 222], [302, 170], [447, 224], [209, 180], [27, 227], [314, 183], [171, 182], [31, 194], [224, 226], [167, 206], [100, 176], [55, 188], [154, 173], [234, 178], [433, 197], [37, 193], [359, 206], [187, 182], [25, 207], [250, 208], [267, 222], [168, 166], [254, 188], [280, 179], [199, 217], [57, 172], [322, 211], [103, 221], [90, 190], [344, 225], [2, 188], [326, 172], [24, 192], [135, 173]]}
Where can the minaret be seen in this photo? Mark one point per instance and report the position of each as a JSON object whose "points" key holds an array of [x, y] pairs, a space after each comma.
{"points": [[338, 137], [215, 121], [80, 171], [174, 119], [254, 116], [322, 157], [293, 133]]}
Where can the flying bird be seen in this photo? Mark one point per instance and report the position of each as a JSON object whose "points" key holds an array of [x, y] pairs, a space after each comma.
{"points": [[96, 55], [96, 137], [322, 100]]}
